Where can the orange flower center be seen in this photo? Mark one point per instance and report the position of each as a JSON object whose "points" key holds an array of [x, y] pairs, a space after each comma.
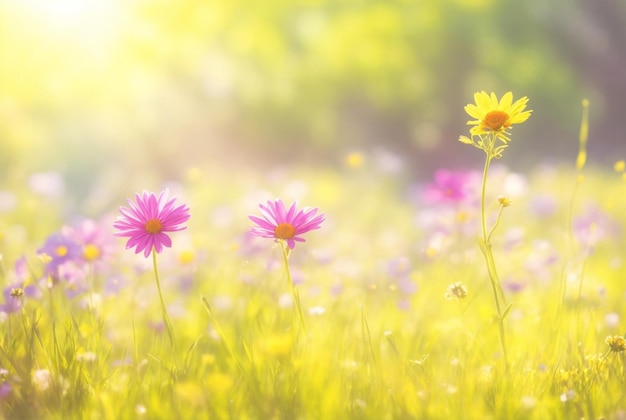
{"points": [[285, 231], [495, 120], [153, 226]]}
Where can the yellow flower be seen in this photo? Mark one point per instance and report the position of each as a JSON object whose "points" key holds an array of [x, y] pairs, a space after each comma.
{"points": [[616, 343], [504, 201], [496, 116], [456, 290], [354, 160]]}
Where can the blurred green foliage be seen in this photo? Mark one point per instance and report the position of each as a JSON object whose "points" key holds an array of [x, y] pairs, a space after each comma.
{"points": [[150, 86]]}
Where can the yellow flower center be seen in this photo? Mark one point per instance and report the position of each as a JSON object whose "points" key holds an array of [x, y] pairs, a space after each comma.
{"points": [[495, 120], [354, 160], [91, 252], [187, 256], [462, 216], [61, 251], [153, 226], [285, 231]]}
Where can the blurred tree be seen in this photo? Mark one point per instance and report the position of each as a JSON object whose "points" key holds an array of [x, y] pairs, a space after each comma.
{"points": [[592, 40], [154, 85]]}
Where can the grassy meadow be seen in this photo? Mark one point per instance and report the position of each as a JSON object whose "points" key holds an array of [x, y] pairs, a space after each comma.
{"points": [[383, 334], [435, 281]]}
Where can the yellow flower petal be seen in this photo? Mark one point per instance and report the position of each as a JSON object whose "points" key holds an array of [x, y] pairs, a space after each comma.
{"points": [[493, 103], [473, 111], [519, 105], [482, 100], [493, 115], [505, 102]]}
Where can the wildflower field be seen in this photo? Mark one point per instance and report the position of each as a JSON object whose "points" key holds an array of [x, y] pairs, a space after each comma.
{"points": [[323, 293]]}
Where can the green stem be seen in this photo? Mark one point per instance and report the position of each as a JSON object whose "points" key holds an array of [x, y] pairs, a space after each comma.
{"points": [[296, 297], [495, 225], [221, 334], [496, 287], [166, 318], [580, 291], [482, 198]]}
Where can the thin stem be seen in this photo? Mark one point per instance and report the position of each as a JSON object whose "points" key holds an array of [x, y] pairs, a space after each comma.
{"points": [[482, 197], [580, 294], [166, 318], [296, 297], [221, 334], [486, 248], [487, 252], [580, 284], [495, 225], [570, 237]]}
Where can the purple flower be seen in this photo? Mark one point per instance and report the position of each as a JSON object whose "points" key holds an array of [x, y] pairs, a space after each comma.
{"points": [[146, 222], [285, 224], [5, 386], [60, 249], [543, 205], [113, 285], [594, 225], [15, 292], [399, 271], [74, 277], [514, 286], [451, 186], [21, 269], [12, 299], [5, 389], [398, 267]]}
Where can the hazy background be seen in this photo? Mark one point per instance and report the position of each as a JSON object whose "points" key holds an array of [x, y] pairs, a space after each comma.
{"points": [[104, 90]]}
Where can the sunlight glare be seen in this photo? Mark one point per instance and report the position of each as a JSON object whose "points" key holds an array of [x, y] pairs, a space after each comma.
{"points": [[75, 17]]}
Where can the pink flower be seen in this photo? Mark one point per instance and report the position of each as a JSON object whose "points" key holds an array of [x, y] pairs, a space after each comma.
{"points": [[451, 186], [285, 224], [146, 221], [96, 242]]}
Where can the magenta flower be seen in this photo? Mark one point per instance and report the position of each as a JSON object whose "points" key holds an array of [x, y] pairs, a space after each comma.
{"points": [[451, 186], [285, 224], [146, 222]]}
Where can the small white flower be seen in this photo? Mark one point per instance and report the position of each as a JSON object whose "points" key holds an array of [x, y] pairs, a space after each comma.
{"points": [[42, 379]]}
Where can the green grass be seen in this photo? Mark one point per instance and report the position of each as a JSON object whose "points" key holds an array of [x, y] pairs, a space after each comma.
{"points": [[368, 350]]}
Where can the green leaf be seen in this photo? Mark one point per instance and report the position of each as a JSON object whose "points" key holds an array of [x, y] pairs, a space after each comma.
{"points": [[507, 310]]}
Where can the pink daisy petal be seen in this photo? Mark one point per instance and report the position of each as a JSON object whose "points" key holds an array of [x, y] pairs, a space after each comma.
{"points": [[292, 222], [149, 208]]}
